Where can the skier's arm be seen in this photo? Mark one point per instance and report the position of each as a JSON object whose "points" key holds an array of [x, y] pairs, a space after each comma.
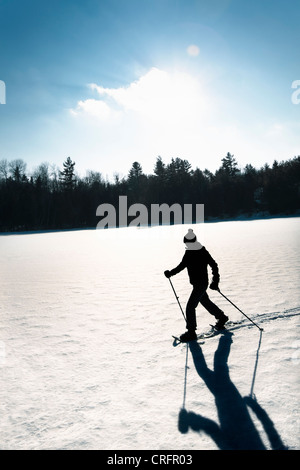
{"points": [[180, 267], [215, 272]]}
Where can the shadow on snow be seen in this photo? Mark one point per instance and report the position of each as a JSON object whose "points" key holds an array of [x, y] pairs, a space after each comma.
{"points": [[236, 429]]}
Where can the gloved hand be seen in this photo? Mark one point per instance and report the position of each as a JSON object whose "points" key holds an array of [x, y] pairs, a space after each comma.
{"points": [[167, 274], [214, 285]]}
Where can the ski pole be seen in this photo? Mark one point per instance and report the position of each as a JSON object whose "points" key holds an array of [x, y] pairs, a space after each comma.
{"points": [[177, 298], [261, 329]]}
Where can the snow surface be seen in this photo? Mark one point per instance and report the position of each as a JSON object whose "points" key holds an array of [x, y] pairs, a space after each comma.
{"points": [[87, 360]]}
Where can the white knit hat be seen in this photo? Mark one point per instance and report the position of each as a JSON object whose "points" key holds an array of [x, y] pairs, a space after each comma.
{"points": [[190, 237]]}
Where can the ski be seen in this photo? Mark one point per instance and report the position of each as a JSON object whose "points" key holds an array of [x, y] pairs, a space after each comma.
{"points": [[217, 329], [211, 333], [177, 339]]}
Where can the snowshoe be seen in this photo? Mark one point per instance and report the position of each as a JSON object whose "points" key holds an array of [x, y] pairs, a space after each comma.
{"points": [[220, 323], [188, 336]]}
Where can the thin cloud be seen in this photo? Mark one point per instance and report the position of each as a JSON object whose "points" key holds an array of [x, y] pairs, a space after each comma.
{"points": [[158, 96]]}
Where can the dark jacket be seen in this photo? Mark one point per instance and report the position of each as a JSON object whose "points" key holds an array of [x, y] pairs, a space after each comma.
{"points": [[196, 262]]}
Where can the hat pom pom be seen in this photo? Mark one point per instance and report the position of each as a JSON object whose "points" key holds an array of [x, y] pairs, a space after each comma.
{"points": [[190, 237]]}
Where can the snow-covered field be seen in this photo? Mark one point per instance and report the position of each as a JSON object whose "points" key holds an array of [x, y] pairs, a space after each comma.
{"points": [[87, 360]]}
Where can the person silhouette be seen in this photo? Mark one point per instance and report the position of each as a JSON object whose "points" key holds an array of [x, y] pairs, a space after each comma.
{"points": [[196, 259]]}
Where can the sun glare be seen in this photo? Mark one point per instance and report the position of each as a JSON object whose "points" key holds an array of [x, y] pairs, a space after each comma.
{"points": [[163, 112]]}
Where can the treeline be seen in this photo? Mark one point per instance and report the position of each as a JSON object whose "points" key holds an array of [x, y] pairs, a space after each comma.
{"points": [[51, 198]]}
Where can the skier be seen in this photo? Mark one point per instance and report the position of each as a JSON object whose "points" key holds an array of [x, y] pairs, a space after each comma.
{"points": [[196, 259]]}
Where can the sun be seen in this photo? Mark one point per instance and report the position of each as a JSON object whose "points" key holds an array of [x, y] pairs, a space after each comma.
{"points": [[193, 50]]}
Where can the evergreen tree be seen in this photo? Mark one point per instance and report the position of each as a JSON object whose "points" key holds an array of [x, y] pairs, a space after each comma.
{"points": [[136, 183], [135, 172], [160, 169], [229, 165], [67, 176]]}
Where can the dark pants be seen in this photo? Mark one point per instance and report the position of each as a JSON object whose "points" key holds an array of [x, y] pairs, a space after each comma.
{"points": [[199, 294]]}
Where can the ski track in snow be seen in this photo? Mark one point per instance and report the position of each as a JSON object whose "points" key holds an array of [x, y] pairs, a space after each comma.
{"points": [[86, 349]]}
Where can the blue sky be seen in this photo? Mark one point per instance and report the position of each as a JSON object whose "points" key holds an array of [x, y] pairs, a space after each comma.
{"points": [[108, 82]]}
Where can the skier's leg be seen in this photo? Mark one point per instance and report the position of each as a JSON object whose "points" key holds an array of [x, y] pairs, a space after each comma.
{"points": [[191, 323], [192, 303], [212, 308]]}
